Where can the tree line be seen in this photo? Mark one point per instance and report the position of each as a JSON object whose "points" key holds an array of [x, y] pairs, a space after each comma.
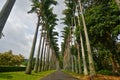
{"points": [[90, 37], [47, 53]]}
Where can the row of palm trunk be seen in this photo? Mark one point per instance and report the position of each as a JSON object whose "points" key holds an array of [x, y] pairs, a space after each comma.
{"points": [[46, 53], [75, 60], [70, 58]]}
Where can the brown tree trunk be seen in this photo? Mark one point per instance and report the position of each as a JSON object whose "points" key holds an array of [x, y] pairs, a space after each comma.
{"points": [[91, 63]]}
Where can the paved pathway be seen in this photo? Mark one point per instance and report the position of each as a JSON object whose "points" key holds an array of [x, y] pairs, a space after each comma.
{"points": [[59, 75]]}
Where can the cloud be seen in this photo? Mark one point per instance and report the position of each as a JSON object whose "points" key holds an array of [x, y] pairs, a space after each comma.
{"points": [[20, 27], [58, 10]]}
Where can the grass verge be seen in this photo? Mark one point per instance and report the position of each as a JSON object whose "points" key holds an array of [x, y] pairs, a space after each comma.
{"points": [[23, 76], [97, 77]]}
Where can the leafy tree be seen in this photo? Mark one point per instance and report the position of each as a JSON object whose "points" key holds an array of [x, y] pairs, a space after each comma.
{"points": [[104, 28], [9, 59]]}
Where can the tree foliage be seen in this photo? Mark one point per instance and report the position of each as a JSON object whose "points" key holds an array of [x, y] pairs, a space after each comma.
{"points": [[9, 59]]}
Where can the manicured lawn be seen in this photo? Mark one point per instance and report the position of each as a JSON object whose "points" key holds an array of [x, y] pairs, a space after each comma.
{"points": [[23, 76]]}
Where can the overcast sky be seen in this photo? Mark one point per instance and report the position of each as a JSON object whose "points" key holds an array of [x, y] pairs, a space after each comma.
{"points": [[20, 27]]}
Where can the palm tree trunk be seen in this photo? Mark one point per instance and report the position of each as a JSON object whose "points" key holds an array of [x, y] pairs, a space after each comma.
{"points": [[47, 58], [118, 3], [79, 61], [72, 59], [83, 55], [5, 13], [38, 54], [83, 51], [43, 66], [76, 69], [29, 65], [65, 57], [50, 62], [41, 54], [57, 64], [91, 63], [43, 46]]}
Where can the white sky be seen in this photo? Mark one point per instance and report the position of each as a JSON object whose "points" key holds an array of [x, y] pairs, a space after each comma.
{"points": [[20, 27]]}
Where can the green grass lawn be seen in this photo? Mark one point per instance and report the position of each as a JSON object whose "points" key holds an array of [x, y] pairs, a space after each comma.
{"points": [[23, 76]]}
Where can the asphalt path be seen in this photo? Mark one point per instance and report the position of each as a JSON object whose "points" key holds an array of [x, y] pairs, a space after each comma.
{"points": [[59, 75]]}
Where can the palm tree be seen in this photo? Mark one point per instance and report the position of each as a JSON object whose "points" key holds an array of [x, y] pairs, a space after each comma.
{"points": [[44, 55], [36, 7], [40, 8], [43, 46], [29, 65], [38, 54], [78, 48], [91, 63], [82, 46], [68, 21], [5, 13], [48, 57]]}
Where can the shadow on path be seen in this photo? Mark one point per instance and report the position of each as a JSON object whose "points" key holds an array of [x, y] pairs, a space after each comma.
{"points": [[59, 75]]}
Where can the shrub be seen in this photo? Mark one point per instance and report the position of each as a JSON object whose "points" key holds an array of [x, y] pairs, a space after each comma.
{"points": [[105, 72], [11, 69]]}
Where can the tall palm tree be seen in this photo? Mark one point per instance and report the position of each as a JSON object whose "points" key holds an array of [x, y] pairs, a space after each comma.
{"points": [[48, 57], [5, 13], [36, 8], [91, 63], [78, 48], [68, 21], [29, 65], [43, 46], [40, 8], [38, 54], [82, 46]]}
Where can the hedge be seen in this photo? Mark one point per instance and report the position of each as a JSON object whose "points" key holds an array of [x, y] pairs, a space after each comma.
{"points": [[11, 69]]}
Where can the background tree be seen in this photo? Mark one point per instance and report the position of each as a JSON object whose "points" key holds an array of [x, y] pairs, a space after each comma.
{"points": [[9, 59]]}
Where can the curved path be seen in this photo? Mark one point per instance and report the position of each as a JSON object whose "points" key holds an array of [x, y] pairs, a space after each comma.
{"points": [[59, 75]]}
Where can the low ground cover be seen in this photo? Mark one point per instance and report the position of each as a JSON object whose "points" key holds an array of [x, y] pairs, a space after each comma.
{"points": [[23, 76], [97, 77]]}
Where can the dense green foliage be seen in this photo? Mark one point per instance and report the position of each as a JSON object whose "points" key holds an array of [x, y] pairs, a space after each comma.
{"points": [[105, 72], [9, 59], [102, 20], [103, 27], [11, 69]]}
